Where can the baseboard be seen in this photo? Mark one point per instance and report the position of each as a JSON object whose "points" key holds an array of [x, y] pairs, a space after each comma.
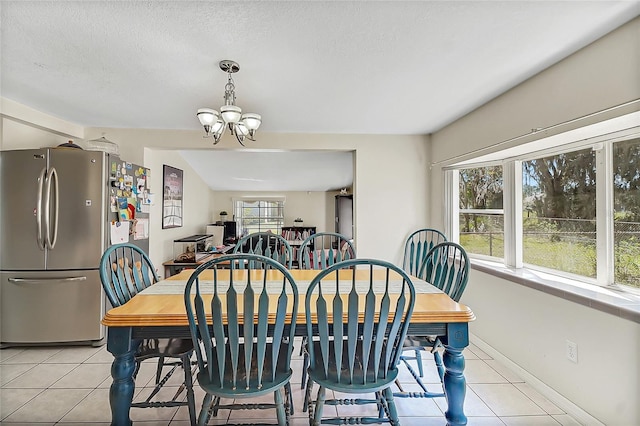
{"points": [[560, 401]]}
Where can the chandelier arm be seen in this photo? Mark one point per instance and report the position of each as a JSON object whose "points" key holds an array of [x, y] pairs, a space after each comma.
{"points": [[240, 139], [217, 136]]}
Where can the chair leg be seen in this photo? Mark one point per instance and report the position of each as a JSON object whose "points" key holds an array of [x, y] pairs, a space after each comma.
{"points": [[307, 396], [162, 382], [305, 365], [381, 405], [188, 383], [415, 375], [289, 397], [438, 359], [393, 412], [304, 342], [204, 416], [426, 393], [319, 405], [215, 406], [159, 369], [281, 412], [419, 361]]}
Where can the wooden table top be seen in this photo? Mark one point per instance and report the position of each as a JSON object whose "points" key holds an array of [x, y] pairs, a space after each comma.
{"points": [[153, 307]]}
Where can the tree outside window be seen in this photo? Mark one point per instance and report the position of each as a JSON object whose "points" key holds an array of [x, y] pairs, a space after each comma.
{"points": [[481, 211], [559, 212], [626, 216]]}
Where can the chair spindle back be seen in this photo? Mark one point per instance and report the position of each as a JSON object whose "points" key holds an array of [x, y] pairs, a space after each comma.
{"points": [[125, 270], [246, 342], [266, 244], [446, 266], [366, 319], [321, 250], [417, 246]]}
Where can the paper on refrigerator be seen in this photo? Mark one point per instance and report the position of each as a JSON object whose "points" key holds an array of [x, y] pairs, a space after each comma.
{"points": [[120, 232]]}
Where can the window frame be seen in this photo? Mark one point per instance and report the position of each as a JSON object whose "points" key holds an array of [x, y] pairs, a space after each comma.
{"points": [[456, 200], [239, 205], [602, 144]]}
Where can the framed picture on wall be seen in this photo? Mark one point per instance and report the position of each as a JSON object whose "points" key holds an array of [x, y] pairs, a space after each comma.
{"points": [[171, 197]]}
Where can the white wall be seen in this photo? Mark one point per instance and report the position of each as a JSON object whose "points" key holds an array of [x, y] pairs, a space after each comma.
{"points": [[24, 127], [527, 326], [390, 176], [531, 328], [196, 205]]}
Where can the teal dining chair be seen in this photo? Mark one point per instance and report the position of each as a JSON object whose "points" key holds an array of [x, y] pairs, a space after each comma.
{"points": [[267, 244], [319, 251], [446, 266], [126, 270], [323, 249], [242, 328], [355, 329], [417, 246]]}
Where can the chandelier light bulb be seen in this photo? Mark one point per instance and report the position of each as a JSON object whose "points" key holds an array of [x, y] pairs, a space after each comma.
{"points": [[231, 113], [207, 116], [251, 120]]}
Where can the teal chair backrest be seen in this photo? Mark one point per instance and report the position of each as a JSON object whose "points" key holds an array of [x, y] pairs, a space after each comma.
{"points": [[417, 246], [273, 246], [249, 314], [125, 270], [446, 266], [321, 250], [366, 316]]}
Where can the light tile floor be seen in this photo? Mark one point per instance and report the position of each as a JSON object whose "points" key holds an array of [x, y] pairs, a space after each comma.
{"points": [[70, 385]]}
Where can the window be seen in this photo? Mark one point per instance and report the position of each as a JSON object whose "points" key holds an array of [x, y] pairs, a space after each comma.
{"points": [[626, 216], [559, 212], [569, 208], [481, 214], [259, 216]]}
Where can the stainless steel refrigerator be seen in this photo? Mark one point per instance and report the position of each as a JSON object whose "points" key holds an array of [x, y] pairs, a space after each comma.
{"points": [[56, 209]]}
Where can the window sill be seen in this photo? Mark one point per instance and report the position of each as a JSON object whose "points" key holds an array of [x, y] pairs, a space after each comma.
{"points": [[622, 304]]}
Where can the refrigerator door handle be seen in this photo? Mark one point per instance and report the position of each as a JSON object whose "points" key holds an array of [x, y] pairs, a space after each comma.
{"points": [[39, 208], [39, 280], [49, 238]]}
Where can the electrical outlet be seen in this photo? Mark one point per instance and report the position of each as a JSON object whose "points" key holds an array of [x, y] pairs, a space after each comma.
{"points": [[572, 351]]}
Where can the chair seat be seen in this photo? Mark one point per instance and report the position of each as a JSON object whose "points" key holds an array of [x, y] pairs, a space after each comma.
{"points": [[253, 388], [374, 382], [174, 348]]}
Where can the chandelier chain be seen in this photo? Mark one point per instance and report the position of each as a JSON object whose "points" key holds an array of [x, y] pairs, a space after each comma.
{"points": [[230, 92]]}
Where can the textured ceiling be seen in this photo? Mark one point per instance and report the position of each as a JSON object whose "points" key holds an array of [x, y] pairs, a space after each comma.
{"points": [[379, 67]]}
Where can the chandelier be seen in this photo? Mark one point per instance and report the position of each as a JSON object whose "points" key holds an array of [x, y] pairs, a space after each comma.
{"points": [[242, 126]]}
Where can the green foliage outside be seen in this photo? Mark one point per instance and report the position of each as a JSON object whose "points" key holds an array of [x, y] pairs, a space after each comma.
{"points": [[569, 256], [627, 261], [559, 201], [573, 257], [483, 244]]}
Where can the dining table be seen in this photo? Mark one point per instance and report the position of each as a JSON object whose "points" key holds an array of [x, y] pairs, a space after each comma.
{"points": [[159, 312]]}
